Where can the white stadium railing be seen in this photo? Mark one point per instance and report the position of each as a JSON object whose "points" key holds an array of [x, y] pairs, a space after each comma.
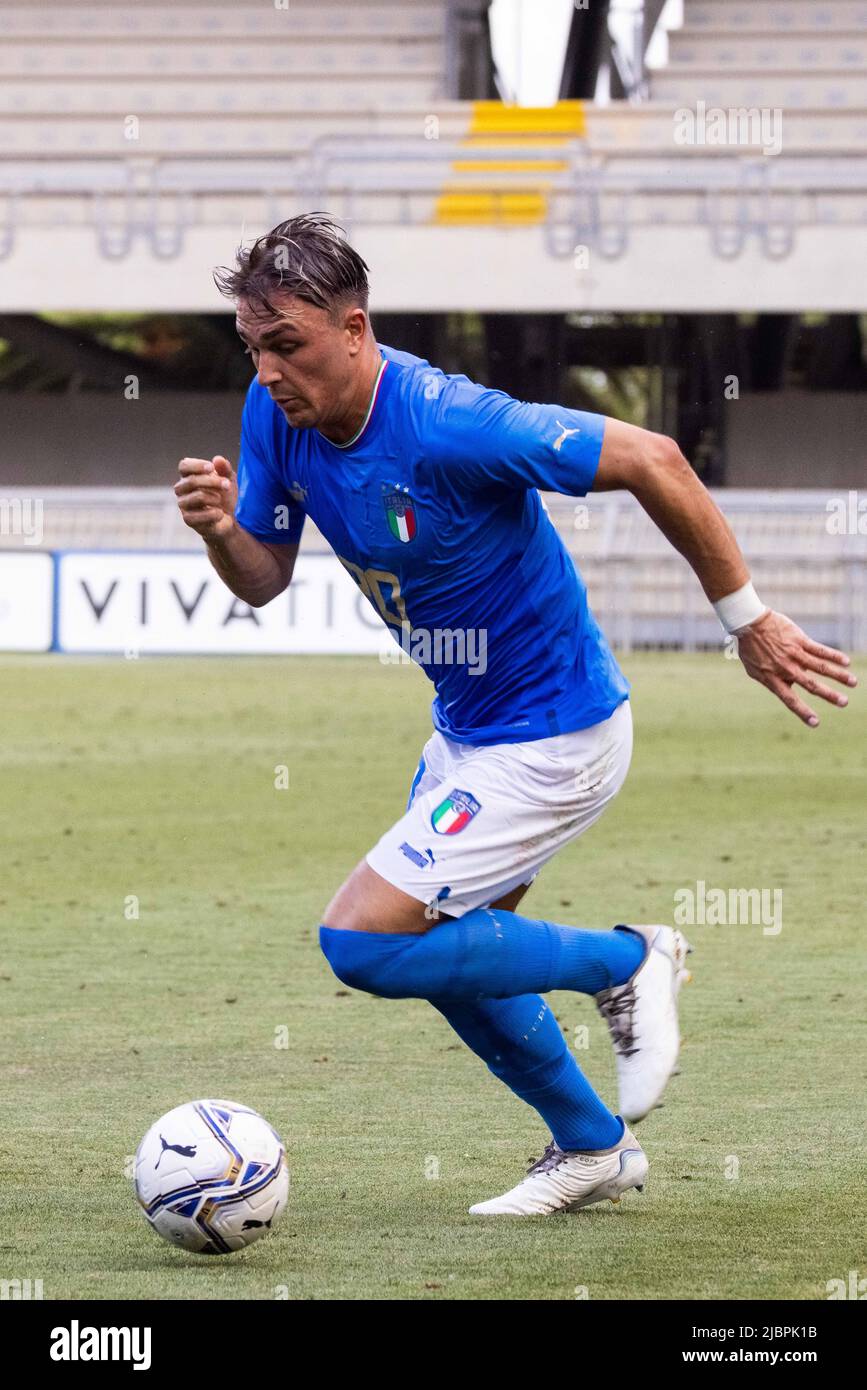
{"points": [[597, 201], [807, 550]]}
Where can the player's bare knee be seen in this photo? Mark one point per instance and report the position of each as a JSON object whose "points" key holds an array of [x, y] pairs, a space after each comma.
{"points": [[350, 908], [367, 902]]}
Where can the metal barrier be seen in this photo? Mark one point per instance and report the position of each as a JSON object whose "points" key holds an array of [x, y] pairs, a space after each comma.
{"points": [[585, 197], [807, 550]]}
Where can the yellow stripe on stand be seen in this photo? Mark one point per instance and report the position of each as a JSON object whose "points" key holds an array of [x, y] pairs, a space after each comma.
{"points": [[495, 118], [493, 123], [510, 166], [486, 209]]}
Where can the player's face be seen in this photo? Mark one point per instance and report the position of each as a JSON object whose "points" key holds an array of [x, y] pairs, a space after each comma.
{"points": [[303, 357]]}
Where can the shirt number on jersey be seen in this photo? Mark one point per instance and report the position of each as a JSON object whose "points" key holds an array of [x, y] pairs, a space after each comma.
{"points": [[382, 589]]}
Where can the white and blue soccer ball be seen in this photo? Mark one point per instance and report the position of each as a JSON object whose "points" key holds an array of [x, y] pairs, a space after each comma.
{"points": [[211, 1176]]}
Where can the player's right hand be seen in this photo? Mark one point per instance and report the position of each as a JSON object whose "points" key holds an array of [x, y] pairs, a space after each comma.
{"points": [[207, 493]]}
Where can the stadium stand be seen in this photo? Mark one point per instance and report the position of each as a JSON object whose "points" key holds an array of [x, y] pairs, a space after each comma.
{"points": [[162, 132]]}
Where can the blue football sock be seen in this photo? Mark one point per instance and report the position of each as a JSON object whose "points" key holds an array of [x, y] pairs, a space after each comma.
{"points": [[487, 953], [523, 1045]]}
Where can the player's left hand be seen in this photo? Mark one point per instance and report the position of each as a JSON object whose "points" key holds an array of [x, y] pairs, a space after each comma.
{"points": [[777, 653]]}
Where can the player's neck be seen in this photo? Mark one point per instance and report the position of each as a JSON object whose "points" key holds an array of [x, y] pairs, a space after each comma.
{"points": [[347, 425]]}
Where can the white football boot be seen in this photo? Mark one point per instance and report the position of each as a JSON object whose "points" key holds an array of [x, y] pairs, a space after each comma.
{"points": [[568, 1179], [642, 1020]]}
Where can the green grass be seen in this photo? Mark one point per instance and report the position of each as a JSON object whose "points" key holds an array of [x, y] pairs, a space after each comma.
{"points": [[156, 778]]}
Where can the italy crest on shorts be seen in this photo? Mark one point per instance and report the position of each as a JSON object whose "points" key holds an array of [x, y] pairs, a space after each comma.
{"points": [[400, 512], [454, 813]]}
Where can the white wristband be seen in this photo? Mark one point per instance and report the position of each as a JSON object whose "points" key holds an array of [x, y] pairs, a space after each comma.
{"points": [[739, 609]]}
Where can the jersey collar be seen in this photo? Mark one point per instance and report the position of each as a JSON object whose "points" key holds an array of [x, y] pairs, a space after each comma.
{"points": [[366, 421]]}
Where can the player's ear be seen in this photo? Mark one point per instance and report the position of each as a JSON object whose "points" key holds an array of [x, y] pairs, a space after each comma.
{"points": [[355, 327]]}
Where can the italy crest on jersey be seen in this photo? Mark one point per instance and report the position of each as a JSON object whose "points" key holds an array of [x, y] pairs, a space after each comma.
{"points": [[454, 813], [400, 511]]}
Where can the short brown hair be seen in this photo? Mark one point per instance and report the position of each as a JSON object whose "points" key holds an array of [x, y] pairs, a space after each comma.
{"points": [[307, 256]]}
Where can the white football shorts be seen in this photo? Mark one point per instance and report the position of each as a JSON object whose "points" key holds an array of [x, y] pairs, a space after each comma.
{"points": [[484, 818]]}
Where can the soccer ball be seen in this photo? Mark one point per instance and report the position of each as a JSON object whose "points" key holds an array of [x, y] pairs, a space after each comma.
{"points": [[211, 1176]]}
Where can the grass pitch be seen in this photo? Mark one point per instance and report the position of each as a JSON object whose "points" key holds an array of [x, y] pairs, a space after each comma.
{"points": [[148, 787]]}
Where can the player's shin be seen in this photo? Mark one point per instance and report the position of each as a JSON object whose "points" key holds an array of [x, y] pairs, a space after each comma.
{"points": [[523, 1045]]}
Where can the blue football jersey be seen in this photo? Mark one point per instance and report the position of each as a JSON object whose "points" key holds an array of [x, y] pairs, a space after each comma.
{"points": [[433, 509]]}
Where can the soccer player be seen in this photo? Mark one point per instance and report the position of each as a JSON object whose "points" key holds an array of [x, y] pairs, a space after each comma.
{"points": [[425, 485]]}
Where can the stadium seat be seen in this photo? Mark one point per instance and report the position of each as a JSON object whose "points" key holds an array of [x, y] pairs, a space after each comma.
{"points": [[793, 89], [775, 16], [764, 53]]}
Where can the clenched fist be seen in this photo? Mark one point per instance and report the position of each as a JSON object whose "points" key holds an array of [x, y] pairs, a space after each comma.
{"points": [[207, 493]]}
